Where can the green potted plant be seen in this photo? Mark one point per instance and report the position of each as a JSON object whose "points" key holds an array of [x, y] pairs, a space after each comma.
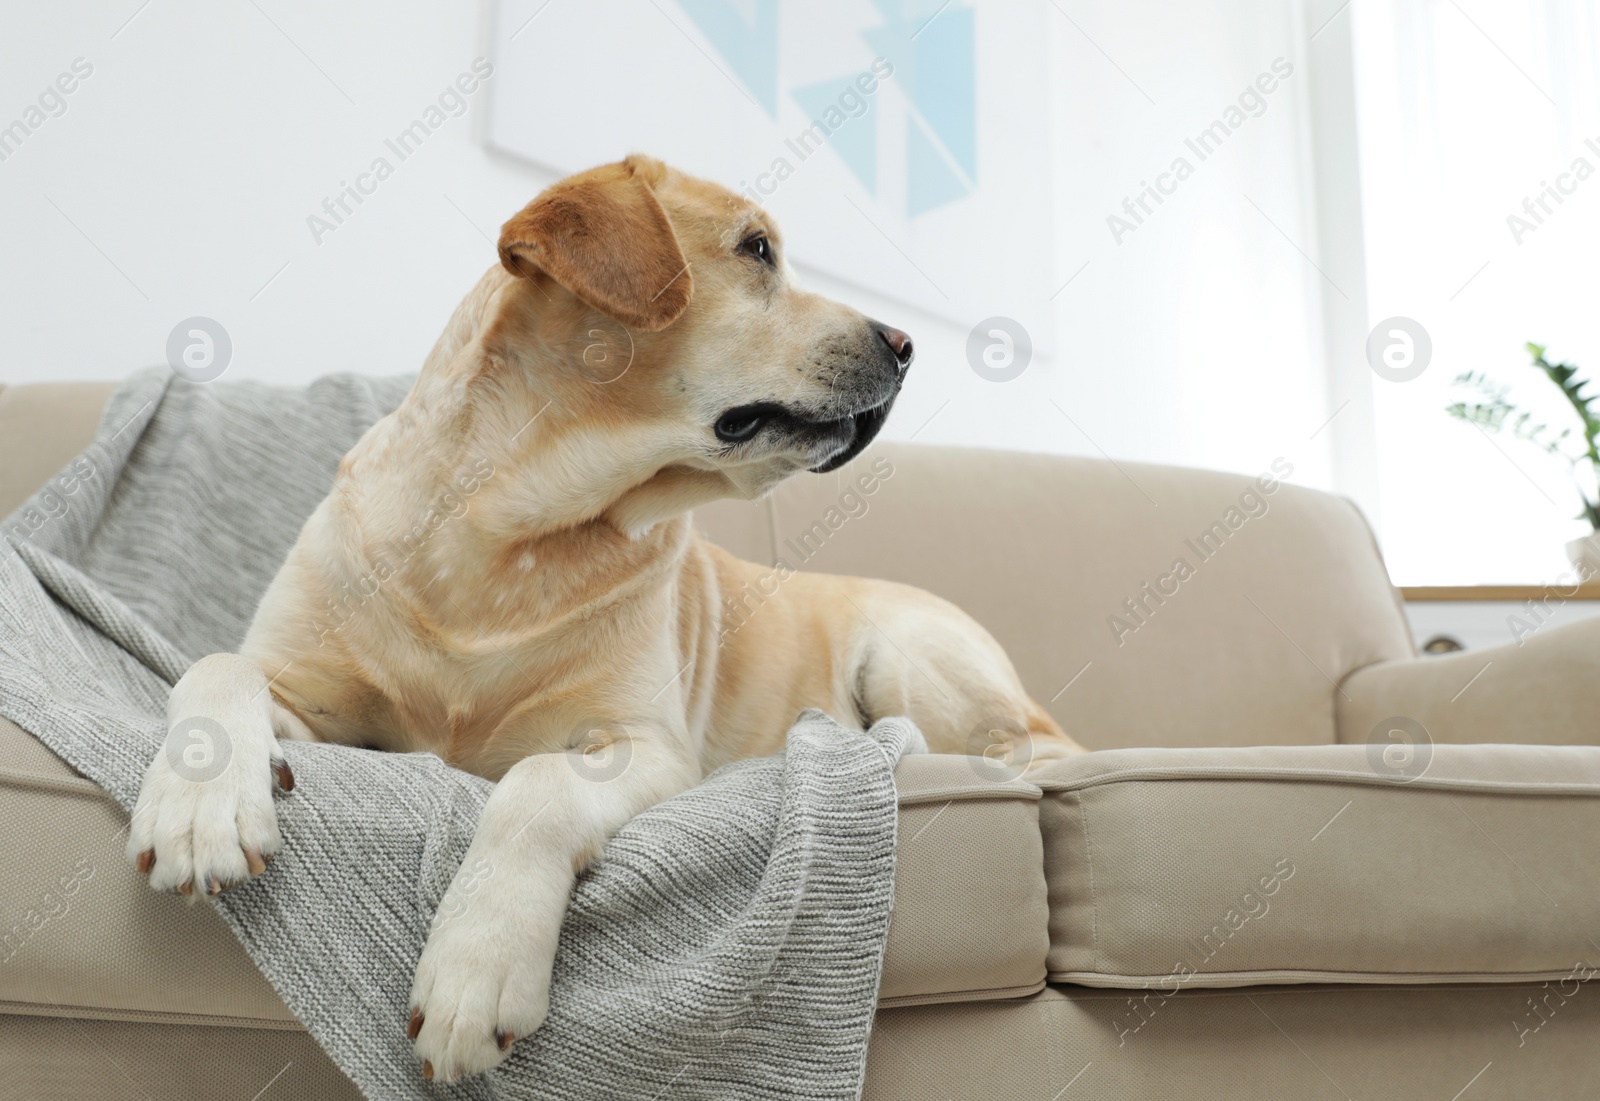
{"points": [[1493, 411]]}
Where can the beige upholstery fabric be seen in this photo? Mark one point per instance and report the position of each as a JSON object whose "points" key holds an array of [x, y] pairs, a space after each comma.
{"points": [[1542, 691], [1044, 550], [45, 1059], [969, 894], [743, 528], [1306, 1043], [42, 426], [1223, 867]]}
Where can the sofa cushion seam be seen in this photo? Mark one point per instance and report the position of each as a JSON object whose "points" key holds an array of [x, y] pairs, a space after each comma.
{"points": [[1094, 898], [166, 1017], [956, 793], [963, 997], [1272, 978], [1247, 774], [72, 785]]}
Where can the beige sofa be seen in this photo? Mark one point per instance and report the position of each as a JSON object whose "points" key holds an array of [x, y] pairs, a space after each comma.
{"points": [[1182, 915]]}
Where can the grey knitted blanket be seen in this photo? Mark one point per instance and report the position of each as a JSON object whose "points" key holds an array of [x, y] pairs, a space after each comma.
{"points": [[728, 943]]}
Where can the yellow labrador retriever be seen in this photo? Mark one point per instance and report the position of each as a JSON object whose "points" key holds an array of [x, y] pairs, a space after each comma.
{"points": [[506, 574]]}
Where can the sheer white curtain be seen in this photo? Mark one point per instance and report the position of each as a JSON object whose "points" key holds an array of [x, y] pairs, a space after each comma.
{"points": [[1479, 128]]}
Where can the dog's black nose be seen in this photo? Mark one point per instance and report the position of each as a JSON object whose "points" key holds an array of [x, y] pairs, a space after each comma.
{"points": [[899, 343]]}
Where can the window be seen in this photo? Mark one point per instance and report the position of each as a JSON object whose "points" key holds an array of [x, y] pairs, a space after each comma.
{"points": [[1479, 137]]}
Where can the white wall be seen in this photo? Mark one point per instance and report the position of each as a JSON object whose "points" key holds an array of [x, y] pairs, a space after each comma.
{"points": [[191, 159], [207, 134]]}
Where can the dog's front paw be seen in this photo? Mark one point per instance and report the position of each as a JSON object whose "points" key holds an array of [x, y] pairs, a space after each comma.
{"points": [[205, 818], [484, 977]]}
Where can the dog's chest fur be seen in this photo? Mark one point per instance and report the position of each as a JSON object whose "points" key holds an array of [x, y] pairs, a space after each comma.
{"points": [[477, 649]]}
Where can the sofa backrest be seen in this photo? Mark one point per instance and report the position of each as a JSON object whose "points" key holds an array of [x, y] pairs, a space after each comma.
{"points": [[1261, 597], [1143, 605], [43, 425]]}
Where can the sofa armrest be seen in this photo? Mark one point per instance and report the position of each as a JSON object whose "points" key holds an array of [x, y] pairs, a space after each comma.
{"points": [[1178, 869], [1543, 690]]}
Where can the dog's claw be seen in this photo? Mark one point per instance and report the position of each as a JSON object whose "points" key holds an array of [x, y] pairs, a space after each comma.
{"points": [[213, 886], [186, 888], [427, 1070], [285, 775], [146, 861], [414, 1026], [253, 861], [504, 1040]]}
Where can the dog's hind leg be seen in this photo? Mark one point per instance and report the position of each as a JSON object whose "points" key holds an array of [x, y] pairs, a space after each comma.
{"points": [[921, 656], [205, 819]]}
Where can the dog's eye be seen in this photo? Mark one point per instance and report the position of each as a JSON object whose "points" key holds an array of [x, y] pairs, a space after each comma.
{"points": [[739, 425], [760, 247]]}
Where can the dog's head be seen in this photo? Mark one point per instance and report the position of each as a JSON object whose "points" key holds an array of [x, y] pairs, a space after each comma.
{"points": [[661, 310]]}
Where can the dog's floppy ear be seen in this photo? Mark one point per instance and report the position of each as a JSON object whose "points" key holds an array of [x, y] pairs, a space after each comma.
{"points": [[603, 235]]}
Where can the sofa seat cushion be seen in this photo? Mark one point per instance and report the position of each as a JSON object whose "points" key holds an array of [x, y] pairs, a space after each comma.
{"points": [[1226, 867], [82, 936]]}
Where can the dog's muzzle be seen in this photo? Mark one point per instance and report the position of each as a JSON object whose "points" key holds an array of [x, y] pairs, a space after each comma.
{"points": [[859, 429], [856, 431]]}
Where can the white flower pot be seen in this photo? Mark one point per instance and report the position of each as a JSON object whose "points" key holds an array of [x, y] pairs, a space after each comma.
{"points": [[1584, 554]]}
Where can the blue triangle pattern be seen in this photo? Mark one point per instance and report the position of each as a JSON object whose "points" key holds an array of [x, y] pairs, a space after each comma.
{"points": [[855, 139], [930, 181], [747, 46], [893, 43], [947, 93]]}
